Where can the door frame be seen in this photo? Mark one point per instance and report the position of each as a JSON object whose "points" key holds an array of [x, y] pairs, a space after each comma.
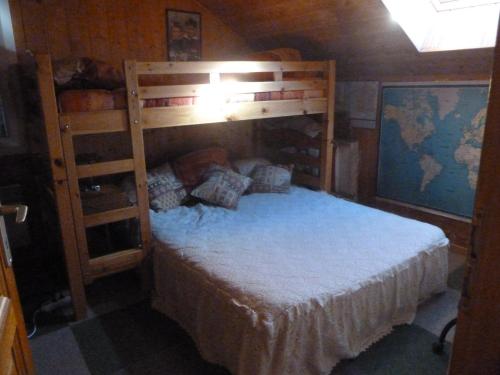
{"points": [[476, 347]]}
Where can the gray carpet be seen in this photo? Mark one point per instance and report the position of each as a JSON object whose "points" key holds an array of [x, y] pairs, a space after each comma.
{"points": [[134, 339]]}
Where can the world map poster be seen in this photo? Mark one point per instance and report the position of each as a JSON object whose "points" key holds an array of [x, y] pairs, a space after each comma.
{"points": [[430, 145]]}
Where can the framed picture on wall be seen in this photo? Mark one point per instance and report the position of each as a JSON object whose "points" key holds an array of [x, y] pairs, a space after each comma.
{"points": [[3, 122], [183, 35]]}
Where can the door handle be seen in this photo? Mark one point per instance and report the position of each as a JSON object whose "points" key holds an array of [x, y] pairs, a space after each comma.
{"points": [[20, 210]]}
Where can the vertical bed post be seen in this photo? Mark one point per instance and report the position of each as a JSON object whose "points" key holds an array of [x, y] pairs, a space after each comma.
{"points": [[60, 184], [327, 144], [137, 138]]}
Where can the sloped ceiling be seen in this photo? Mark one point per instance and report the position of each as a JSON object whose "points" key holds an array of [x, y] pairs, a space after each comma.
{"points": [[359, 34]]}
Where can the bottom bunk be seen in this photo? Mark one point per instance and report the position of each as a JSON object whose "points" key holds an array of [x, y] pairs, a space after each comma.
{"points": [[292, 283]]}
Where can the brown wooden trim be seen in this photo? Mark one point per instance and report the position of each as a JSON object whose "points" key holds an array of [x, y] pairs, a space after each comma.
{"points": [[299, 158], [476, 343], [61, 189], [207, 67], [110, 216], [105, 168], [75, 199], [305, 179], [162, 117], [424, 209], [327, 149], [136, 119], [115, 262], [96, 122], [152, 92]]}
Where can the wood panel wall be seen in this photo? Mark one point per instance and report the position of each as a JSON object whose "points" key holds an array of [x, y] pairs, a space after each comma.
{"points": [[114, 30]]}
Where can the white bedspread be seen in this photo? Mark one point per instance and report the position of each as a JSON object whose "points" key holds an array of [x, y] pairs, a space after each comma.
{"points": [[292, 283]]}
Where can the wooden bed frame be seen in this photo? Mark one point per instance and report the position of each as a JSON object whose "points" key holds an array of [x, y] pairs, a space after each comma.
{"points": [[62, 127]]}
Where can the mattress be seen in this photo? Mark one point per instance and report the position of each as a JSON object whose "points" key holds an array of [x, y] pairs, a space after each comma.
{"points": [[292, 283]]}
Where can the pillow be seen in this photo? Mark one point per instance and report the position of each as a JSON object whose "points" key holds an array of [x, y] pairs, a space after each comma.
{"points": [[191, 167], [246, 166], [222, 187], [165, 191], [271, 179]]}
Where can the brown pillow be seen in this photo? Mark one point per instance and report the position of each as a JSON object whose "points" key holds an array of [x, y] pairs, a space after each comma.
{"points": [[271, 179], [191, 167], [222, 187]]}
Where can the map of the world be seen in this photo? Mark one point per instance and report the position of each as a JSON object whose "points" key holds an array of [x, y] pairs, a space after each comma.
{"points": [[430, 145]]}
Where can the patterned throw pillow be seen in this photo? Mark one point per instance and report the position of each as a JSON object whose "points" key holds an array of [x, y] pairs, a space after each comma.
{"points": [[165, 190], [271, 179], [191, 167], [222, 187]]}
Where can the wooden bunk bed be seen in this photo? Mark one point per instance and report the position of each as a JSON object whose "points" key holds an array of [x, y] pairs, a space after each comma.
{"points": [[62, 128]]}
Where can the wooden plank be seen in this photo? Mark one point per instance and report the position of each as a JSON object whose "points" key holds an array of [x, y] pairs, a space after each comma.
{"points": [[475, 346], [75, 199], [115, 262], [96, 122], [110, 216], [34, 25], [78, 28], [290, 137], [50, 116], [136, 134], [97, 25], [299, 158], [61, 187], [327, 133], [70, 247], [57, 29], [305, 179], [116, 14], [201, 114], [222, 67], [152, 92], [8, 327], [16, 14], [105, 168]]}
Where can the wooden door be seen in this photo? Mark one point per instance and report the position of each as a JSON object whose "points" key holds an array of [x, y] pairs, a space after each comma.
{"points": [[476, 348], [15, 353]]}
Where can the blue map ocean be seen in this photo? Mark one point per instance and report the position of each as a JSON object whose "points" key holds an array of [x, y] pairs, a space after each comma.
{"points": [[400, 174]]}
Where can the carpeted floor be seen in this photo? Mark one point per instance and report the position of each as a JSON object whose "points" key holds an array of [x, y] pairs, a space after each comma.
{"points": [[123, 335]]}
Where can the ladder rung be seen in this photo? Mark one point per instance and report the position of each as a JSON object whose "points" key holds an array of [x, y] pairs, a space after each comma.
{"points": [[110, 216], [104, 168], [115, 262]]}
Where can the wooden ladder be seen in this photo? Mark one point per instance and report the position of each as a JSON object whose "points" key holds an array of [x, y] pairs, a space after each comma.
{"points": [[61, 129], [93, 268], [71, 125]]}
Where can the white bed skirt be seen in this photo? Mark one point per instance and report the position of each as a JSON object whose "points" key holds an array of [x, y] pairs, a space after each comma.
{"points": [[309, 338]]}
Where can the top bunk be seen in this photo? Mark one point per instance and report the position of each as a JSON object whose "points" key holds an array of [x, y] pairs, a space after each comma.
{"points": [[236, 90], [169, 94]]}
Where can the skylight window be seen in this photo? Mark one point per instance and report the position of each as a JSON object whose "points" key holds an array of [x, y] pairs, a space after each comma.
{"points": [[442, 25]]}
